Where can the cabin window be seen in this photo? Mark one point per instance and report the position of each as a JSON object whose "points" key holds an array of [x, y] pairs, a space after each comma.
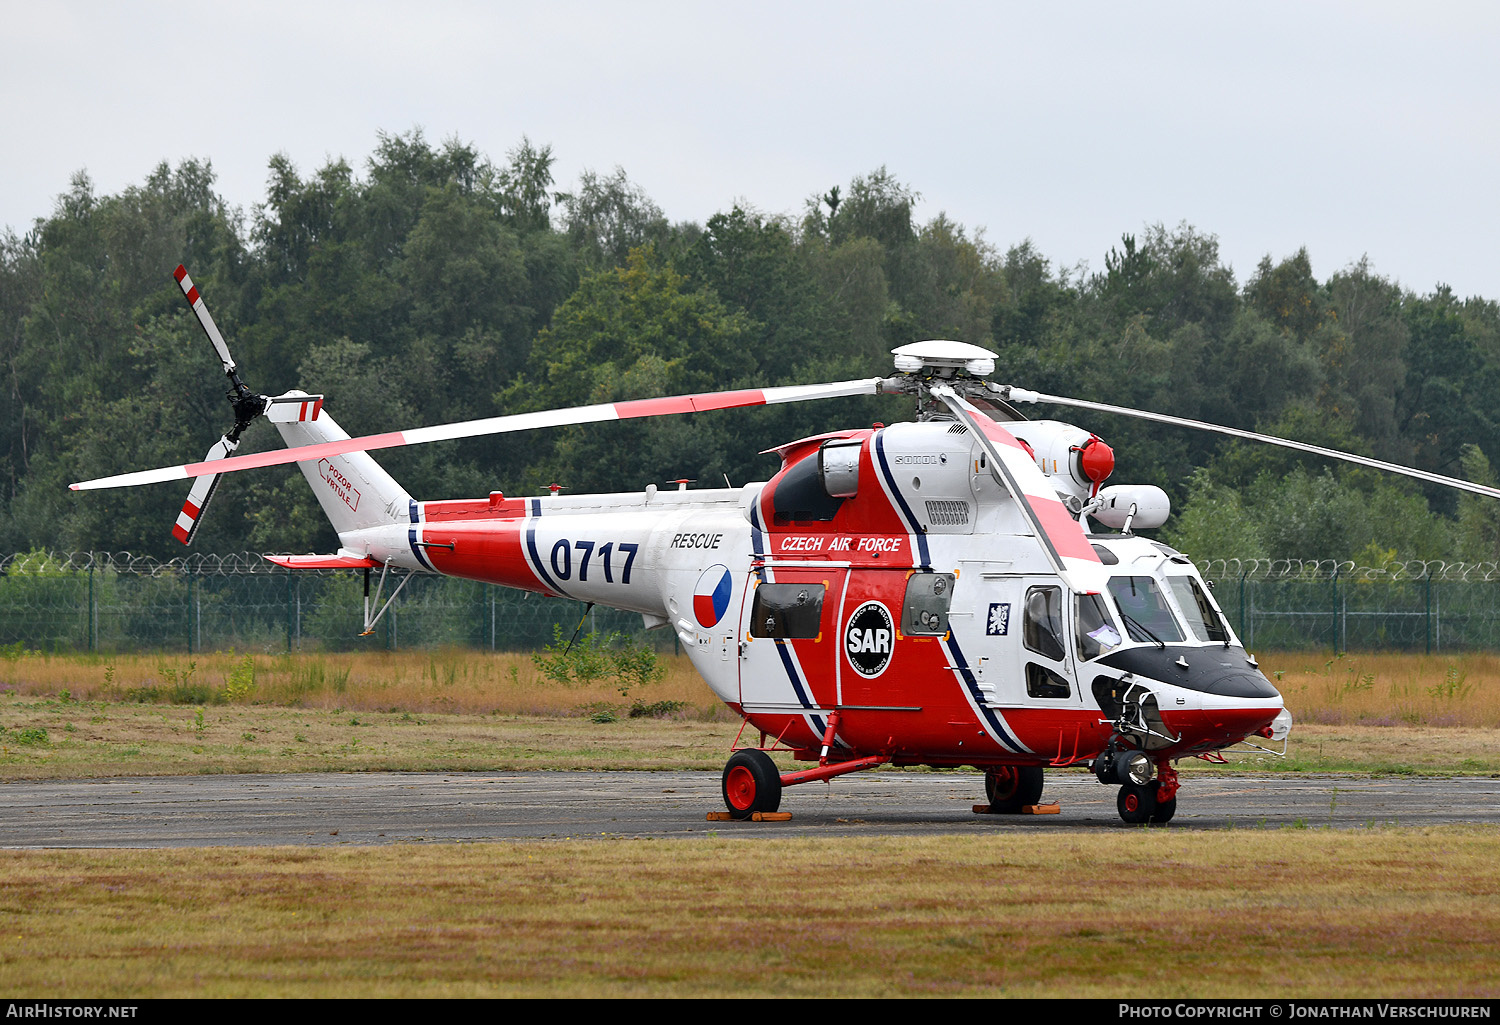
{"points": [[928, 598], [1042, 630], [787, 611], [1042, 682]]}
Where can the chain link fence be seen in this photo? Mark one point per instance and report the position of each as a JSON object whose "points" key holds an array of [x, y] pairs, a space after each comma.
{"points": [[116, 602], [1416, 606], [99, 601]]}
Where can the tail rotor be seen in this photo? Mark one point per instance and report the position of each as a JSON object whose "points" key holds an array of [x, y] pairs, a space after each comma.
{"points": [[247, 405]]}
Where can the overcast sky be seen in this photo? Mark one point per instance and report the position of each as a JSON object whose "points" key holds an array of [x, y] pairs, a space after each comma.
{"points": [[1352, 129]]}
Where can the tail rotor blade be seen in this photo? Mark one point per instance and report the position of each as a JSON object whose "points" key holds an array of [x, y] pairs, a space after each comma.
{"points": [[204, 320], [191, 517]]}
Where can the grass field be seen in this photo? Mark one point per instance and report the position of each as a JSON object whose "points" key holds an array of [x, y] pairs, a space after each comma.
{"points": [[1145, 913], [1151, 913]]}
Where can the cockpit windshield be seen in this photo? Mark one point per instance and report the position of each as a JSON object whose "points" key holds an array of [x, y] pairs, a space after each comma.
{"points": [[1199, 612], [1144, 609]]}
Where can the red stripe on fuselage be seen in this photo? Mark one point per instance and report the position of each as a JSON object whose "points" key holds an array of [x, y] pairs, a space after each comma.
{"points": [[492, 550]]}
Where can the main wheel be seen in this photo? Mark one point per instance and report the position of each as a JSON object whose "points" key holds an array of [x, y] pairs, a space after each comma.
{"points": [[752, 783], [1012, 787], [1136, 803], [1164, 810]]}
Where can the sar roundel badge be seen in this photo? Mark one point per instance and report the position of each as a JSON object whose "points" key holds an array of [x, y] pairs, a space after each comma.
{"points": [[711, 596]]}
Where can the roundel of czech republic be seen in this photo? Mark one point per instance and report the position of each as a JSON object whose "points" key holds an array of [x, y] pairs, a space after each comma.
{"points": [[711, 595]]}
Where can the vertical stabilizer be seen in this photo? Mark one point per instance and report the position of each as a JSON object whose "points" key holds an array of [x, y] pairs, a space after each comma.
{"points": [[354, 491]]}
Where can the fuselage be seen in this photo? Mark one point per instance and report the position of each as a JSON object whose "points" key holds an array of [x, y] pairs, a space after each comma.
{"points": [[885, 576]]}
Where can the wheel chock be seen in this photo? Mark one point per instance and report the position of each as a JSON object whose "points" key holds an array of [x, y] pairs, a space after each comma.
{"points": [[1028, 809], [755, 816]]}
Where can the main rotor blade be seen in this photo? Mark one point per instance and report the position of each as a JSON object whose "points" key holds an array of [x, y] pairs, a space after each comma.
{"points": [[629, 410], [1022, 395], [1073, 559]]}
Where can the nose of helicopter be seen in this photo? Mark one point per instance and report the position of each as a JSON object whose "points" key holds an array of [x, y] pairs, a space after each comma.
{"points": [[1211, 699], [1206, 720]]}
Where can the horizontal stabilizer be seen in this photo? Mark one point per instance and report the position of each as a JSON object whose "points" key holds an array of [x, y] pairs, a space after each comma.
{"points": [[293, 409], [323, 561]]}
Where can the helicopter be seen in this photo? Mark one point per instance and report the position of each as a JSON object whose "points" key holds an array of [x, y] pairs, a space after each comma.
{"points": [[960, 590]]}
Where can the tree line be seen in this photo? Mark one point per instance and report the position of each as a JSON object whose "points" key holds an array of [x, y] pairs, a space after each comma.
{"points": [[435, 284]]}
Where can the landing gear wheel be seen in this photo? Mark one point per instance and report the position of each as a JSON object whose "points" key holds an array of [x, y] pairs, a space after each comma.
{"points": [[1164, 809], [1011, 788], [752, 783], [1137, 803]]}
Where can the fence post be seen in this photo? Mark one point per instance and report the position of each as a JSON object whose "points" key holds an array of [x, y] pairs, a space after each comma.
{"points": [[189, 610], [93, 631], [1244, 635], [1427, 589], [1335, 608]]}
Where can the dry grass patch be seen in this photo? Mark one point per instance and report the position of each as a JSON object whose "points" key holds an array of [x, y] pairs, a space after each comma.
{"points": [[51, 739], [74, 716], [449, 680], [1409, 913], [1388, 689]]}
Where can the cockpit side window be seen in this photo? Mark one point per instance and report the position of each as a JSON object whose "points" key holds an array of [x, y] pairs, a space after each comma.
{"points": [[1144, 609], [1199, 612], [1096, 634], [1042, 630]]}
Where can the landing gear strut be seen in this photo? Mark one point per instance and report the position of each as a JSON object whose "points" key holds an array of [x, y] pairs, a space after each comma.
{"points": [[1141, 798]]}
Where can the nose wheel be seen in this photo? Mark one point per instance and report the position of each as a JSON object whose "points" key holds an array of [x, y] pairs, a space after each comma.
{"points": [[1140, 803]]}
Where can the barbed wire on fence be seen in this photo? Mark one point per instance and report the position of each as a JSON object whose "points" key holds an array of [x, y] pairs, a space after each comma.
{"points": [[251, 563], [117, 601], [197, 563], [1328, 569]]}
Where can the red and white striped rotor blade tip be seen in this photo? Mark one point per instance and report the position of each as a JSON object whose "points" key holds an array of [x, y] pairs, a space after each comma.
{"points": [[628, 410], [207, 322], [191, 517]]}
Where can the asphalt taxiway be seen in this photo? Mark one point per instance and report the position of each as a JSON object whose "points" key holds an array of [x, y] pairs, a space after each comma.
{"points": [[387, 807]]}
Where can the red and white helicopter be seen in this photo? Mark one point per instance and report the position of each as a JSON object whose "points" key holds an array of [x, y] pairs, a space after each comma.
{"points": [[927, 593]]}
